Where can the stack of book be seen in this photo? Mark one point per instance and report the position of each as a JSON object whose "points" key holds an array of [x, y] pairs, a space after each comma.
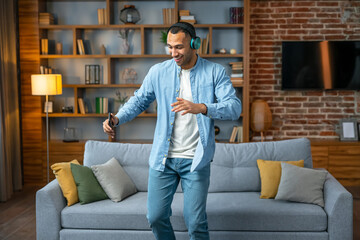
{"points": [[46, 70], [102, 105], [204, 47], [101, 16], [236, 15], [80, 45], [44, 46], [236, 134], [237, 69], [186, 17], [46, 19], [169, 15]]}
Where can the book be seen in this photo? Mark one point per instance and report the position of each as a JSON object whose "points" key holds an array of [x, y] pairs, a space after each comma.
{"points": [[80, 45], [46, 18], [187, 17], [184, 13], [44, 46], [100, 14], [239, 134], [81, 105], [189, 21], [233, 134]]}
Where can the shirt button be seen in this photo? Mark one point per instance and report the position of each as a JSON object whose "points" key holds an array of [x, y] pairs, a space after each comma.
{"points": [[168, 139], [171, 123], [165, 155]]}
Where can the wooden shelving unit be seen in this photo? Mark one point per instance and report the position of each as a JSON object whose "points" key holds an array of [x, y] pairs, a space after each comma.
{"points": [[31, 58]]}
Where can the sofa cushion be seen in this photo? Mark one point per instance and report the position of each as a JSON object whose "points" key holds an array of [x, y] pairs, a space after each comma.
{"points": [[242, 211], [89, 189], [234, 166], [301, 185], [134, 158], [270, 174], [66, 181], [114, 180]]}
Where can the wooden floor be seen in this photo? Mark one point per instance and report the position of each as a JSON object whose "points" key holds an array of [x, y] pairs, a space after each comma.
{"points": [[17, 216]]}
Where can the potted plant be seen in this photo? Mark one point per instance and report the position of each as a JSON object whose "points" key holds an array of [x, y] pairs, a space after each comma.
{"points": [[163, 39], [120, 100]]}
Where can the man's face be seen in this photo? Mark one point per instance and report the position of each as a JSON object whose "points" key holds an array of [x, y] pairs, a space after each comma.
{"points": [[179, 46]]}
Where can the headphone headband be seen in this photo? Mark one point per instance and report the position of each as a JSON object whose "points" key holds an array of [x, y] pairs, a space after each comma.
{"points": [[185, 26]]}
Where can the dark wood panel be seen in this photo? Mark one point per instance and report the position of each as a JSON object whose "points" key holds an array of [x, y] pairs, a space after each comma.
{"points": [[344, 160], [31, 105], [344, 150], [345, 172]]}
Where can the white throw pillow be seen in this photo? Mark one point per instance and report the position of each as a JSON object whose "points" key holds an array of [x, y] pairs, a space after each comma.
{"points": [[114, 180]]}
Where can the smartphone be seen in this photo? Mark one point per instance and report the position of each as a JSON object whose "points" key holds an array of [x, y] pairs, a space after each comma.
{"points": [[110, 120]]}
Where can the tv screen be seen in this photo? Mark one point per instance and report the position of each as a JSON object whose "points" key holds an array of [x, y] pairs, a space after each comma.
{"points": [[321, 65]]}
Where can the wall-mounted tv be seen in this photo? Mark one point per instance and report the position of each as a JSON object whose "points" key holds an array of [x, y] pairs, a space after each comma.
{"points": [[321, 65]]}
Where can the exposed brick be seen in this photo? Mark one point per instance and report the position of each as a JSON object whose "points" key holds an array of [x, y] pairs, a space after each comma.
{"points": [[295, 122], [314, 127], [346, 105], [313, 25], [313, 110], [297, 31], [349, 99], [312, 105], [311, 121], [327, 15], [281, 15], [262, 10], [333, 31], [290, 26], [296, 99], [328, 133], [327, 4], [314, 116], [303, 15], [352, 111], [280, 4], [295, 110], [331, 99], [313, 93], [317, 37], [326, 20], [331, 110], [297, 20], [314, 99], [338, 116], [291, 128]]}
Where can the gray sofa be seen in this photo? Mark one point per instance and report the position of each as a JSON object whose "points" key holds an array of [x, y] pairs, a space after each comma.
{"points": [[234, 208]]}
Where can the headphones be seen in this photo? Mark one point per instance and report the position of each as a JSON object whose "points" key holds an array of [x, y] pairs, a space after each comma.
{"points": [[195, 41]]}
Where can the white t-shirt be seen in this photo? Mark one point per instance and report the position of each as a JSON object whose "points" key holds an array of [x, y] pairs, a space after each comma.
{"points": [[185, 134]]}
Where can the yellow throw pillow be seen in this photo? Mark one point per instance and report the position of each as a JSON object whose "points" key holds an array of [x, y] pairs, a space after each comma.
{"points": [[66, 181], [270, 174]]}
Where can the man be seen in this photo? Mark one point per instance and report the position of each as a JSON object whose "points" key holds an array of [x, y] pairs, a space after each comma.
{"points": [[191, 92]]}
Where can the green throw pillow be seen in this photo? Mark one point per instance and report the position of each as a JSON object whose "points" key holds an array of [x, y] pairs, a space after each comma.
{"points": [[89, 189]]}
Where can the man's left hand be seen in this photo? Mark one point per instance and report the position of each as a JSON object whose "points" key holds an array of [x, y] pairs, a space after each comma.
{"points": [[188, 107]]}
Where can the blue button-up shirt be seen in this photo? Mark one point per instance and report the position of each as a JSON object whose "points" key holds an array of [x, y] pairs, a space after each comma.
{"points": [[209, 85]]}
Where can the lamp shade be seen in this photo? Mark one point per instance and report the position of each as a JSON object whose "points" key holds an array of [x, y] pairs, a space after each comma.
{"points": [[46, 84], [261, 118]]}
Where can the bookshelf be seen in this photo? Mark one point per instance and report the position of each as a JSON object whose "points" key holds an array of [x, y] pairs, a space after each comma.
{"points": [[75, 20]]}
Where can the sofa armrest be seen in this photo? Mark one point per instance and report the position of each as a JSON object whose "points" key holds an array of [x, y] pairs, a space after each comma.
{"points": [[339, 208], [49, 204]]}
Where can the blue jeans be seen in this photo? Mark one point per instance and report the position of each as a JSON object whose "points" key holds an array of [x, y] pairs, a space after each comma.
{"points": [[161, 189]]}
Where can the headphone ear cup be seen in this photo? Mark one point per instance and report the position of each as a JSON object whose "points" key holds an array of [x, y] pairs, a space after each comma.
{"points": [[195, 43]]}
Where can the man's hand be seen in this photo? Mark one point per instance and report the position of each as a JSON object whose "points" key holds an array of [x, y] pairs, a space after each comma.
{"points": [[107, 129], [188, 107]]}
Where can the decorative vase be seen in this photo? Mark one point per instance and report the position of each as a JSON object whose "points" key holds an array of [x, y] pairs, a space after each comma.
{"points": [[124, 49]]}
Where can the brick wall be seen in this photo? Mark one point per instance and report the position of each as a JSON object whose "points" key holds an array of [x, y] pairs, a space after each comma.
{"points": [[312, 114]]}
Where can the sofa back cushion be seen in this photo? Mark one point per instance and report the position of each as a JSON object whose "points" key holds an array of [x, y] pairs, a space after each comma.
{"points": [[234, 166], [132, 157]]}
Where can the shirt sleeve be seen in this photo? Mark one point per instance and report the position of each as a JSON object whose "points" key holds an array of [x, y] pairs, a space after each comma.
{"points": [[138, 103], [228, 105]]}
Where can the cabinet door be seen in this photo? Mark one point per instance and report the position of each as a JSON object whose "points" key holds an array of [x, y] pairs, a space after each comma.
{"points": [[320, 156], [344, 164]]}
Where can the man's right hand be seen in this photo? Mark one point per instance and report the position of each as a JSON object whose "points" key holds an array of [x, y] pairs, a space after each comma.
{"points": [[107, 129]]}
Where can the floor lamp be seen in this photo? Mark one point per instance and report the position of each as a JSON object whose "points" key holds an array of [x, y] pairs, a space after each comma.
{"points": [[45, 85]]}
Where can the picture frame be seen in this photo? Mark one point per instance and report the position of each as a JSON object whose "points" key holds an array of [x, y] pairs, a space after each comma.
{"points": [[349, 130]]}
